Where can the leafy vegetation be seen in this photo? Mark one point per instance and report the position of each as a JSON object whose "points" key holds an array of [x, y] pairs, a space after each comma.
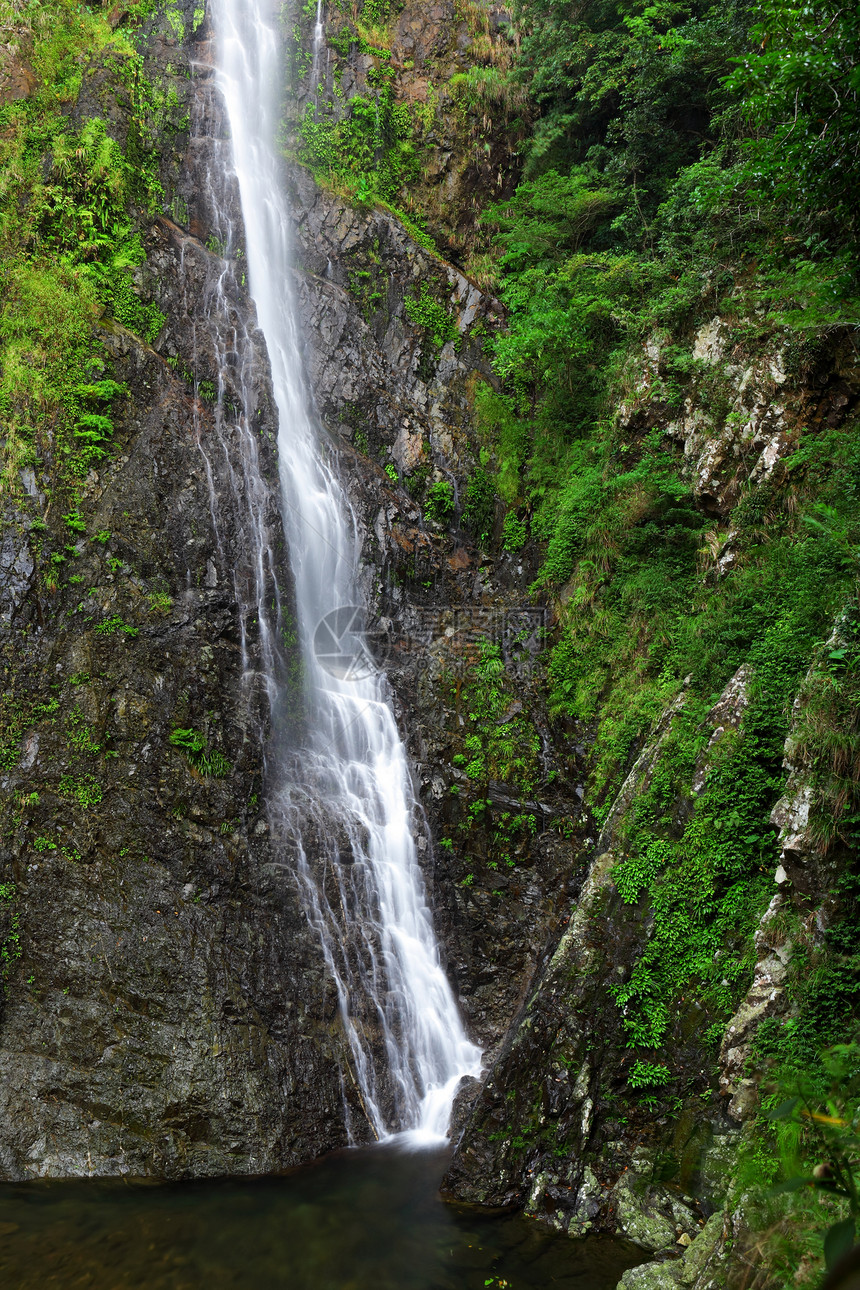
{"points": [[708, 886], [500, 746], [84, 789], [204, 759], [595, 258], [372, 146], [439, 506], [500, 743], [479, 506], [688, 162], [10, 948], [803, 1168], [67, 239], [424, 310]]}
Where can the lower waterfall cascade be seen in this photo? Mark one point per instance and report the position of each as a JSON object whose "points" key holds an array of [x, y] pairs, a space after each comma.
{"points": [[408, 1047]]}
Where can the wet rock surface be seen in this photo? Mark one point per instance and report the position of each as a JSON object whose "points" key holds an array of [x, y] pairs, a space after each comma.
{"points": [[161, 1014], [167, 1010], [379, 378]]}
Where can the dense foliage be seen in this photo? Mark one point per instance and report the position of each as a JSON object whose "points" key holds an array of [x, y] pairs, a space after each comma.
{"points": [[71, 200], [693, 160]]}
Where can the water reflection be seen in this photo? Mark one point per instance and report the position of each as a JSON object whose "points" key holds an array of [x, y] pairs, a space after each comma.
{"points": [[362, 1220]]}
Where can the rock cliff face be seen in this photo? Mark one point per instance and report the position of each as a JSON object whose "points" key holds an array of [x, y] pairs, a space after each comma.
{"points": [[553, 1129], [469, 148], [166, 1009], [545, 1132], [154, 1019]]}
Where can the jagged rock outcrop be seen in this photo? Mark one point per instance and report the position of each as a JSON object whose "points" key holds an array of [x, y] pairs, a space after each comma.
{"points": [[804, 878], [741, 416], [543, 1133], [702, 1265], [374, 373]]}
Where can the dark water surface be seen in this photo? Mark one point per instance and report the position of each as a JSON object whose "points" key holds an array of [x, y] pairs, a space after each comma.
{"points": [[359, 1220]]}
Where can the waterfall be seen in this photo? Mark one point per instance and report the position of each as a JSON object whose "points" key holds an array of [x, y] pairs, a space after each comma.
{"points": [[343, 802], [317, 46]]}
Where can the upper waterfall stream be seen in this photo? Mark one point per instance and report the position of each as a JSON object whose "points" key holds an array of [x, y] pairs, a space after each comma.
{"points": [[357, 865]]}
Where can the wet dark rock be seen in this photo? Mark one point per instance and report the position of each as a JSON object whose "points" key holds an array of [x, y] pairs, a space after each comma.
{"points": [[170, 1012], [467, 1091], [166, 1010], [16, 565]]}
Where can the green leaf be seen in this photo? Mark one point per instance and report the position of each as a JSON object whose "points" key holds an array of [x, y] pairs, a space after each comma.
{"points": [[784, 1110], [790, 1184], [838, 1241]]}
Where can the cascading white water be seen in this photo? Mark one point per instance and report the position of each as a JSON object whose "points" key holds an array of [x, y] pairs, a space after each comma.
{"points": [[348, 803]]}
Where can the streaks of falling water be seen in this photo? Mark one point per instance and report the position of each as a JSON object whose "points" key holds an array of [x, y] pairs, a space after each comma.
{"points": [[347, 804], [317, 46]]}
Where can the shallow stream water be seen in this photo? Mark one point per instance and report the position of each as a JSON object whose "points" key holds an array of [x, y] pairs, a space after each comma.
{"points": [[360, 1220]]}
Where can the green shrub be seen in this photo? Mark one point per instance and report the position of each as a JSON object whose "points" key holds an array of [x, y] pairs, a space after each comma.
{"points": [[373, 147], [425, 311], [514, 533], [205, 760], [439, 506], [83, 789], [479, 509]]}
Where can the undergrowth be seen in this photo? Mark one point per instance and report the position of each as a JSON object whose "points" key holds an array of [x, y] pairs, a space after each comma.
{"points": [[677, 172], [69, 198]]}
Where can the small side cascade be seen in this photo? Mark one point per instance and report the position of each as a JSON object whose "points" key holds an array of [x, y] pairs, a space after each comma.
{"points": [[317, 46], [343, 801]]}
